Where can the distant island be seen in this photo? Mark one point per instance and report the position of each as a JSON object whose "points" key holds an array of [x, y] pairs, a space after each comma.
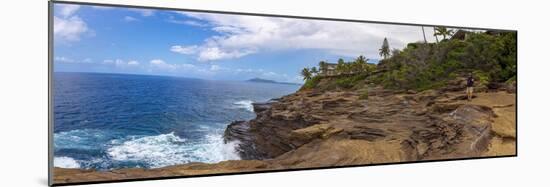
{"points": [[270, 81]]}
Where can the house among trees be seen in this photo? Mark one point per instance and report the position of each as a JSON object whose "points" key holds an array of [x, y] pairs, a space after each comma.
{"points": [[328, 69]]}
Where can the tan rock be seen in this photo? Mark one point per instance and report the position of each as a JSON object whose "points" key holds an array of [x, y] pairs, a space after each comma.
{"points": [[316, 128]]}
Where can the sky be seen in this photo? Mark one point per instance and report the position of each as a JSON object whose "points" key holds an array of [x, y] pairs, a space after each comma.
{"points": [[211, 46]]}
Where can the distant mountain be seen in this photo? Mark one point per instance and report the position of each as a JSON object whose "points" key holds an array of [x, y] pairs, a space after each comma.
{"points": [[270, 81]]}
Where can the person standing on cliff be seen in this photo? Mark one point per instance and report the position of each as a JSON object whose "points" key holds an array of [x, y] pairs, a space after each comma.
{"points": [[470, 86]]}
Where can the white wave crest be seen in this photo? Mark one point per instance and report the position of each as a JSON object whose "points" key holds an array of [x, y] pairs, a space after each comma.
{"points": [[65, 162], [215, 150], [169, 149], [86, 139], [245, 104]]}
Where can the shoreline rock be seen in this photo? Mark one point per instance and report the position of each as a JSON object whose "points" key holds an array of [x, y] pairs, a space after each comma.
{"points": [[311, 128]]}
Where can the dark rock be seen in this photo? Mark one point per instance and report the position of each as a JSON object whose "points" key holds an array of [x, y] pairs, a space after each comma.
{"points": [[494, 85], [239, 131], [332, 103], [260, 107]]}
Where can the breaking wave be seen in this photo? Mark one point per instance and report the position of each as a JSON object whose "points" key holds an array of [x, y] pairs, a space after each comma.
{"points": [[244, 104], [65, 162], [169, 149]]}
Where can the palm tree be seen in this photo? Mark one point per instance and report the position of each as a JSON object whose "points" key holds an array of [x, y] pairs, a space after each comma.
{"points": [[361, 59], [323, 67], [314, 70], [348, 68], [306, 74], [360, 63], [443, 31], [424, 34], [385, 50], [341, 66], [436, 39]]}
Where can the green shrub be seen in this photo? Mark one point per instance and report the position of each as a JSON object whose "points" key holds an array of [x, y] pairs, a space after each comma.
{"points": [[350, 81], [420, 66], [512, 80], [481, 77], [311, 83]]}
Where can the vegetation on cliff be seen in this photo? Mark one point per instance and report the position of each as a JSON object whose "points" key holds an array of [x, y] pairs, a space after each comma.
{"points": [[490, 56]]}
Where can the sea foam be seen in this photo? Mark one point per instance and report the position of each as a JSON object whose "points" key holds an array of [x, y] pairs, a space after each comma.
{"points": [[169, 149], [244, 104], [65, 162], [83, 139]]}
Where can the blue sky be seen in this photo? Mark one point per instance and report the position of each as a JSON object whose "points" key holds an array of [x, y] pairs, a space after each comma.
{"points": [[210, 46]]}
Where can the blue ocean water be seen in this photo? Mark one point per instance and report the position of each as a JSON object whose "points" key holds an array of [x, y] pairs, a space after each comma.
{"points": [[107, 121]]}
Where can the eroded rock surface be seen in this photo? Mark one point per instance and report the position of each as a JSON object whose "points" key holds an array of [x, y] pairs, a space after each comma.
{"points": [[332, 128]]}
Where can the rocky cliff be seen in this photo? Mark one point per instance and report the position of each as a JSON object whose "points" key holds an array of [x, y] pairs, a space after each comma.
{"points": [[322, 128]]}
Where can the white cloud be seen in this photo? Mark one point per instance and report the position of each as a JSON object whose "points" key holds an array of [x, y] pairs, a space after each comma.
{"points": [[215, 53], [67, 26], [68, 10], [172, 19], [184, 50], [187, 66], [204, 70], [240, 35], [69, 29], [159, 64], [114, 62], [108, 61], [143, 12], [215, 68], [133, 63], [119, 63], [102, 7], [194, 23], [206, 53], [62, 59], [130, 19]]}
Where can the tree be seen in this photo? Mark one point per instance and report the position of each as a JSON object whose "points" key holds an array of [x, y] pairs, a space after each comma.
{"points": [[341, 66], [361, 60], [424, 34], [314, 70], [385, 50], [323, 67], [306, 74], [436, 39], [395, 52], [360, 63], [348, 68], [443, 31]]}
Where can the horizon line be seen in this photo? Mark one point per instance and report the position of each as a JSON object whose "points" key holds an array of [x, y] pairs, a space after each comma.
{"points": [[174, 76]]}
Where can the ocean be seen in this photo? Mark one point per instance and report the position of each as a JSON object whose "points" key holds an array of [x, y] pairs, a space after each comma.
{"points": [[111, 121]]}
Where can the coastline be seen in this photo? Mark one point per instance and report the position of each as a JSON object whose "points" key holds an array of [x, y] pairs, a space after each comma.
{"points": [[312, 128]]}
